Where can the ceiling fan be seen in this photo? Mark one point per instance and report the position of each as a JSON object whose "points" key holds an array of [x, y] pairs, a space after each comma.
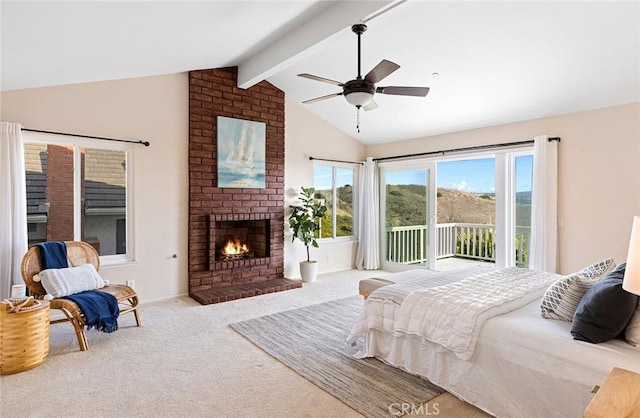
{"points": [[359, 92]]}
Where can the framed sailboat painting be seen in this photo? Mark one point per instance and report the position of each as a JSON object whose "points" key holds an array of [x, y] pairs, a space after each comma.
{"points": [[241, 153]]}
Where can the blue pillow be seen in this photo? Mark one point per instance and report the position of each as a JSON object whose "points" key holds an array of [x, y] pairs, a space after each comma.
{"points": [[604, 310]]}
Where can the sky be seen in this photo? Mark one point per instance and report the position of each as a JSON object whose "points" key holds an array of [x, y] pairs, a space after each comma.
{"points": [[323, 175], [477, 175]]}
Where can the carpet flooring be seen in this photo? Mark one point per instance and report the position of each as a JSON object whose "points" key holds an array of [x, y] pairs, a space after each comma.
{"points": [[312, 341]]}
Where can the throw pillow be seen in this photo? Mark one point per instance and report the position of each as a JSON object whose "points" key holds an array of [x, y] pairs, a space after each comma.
{"points": [[632, 331], [70, 280], [562, 297], [605, 310]]}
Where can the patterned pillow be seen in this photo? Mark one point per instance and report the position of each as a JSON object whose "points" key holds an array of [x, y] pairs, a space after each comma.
{"points": [[632, 331], [562, 297], [67, 281]]}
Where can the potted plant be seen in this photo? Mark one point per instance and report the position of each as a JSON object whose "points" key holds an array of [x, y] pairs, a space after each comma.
{"points": [[305, 224]]}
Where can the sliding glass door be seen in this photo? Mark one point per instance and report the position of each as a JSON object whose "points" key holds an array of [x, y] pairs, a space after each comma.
{"points": [[407, 215], [448, 212], [466, 221], [523, 177]]}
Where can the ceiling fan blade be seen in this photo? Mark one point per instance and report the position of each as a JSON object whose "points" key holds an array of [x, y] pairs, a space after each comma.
{"points": [[370, 106], [380, 71], [403, 91], [317, 99], [317, 78]]}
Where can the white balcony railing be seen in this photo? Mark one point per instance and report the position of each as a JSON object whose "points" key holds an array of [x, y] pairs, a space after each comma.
{"points": [[407, 244]]}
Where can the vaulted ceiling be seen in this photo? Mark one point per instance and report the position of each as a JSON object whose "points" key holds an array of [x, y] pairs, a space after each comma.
{"points": [[486, 63]]}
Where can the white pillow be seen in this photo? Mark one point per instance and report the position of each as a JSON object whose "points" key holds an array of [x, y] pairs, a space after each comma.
{"points": [[632, 331], [562, 297], [70, 280]]}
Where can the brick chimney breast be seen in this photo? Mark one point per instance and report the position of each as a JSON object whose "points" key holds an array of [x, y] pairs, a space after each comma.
{"points": [[214, 93]]}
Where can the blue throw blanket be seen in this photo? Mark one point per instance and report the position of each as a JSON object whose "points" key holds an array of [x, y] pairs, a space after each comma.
{"points": [[99, 308], [53, 255]]}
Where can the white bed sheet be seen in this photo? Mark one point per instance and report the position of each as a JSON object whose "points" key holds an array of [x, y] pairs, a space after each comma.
{"points": [[523, 366]]}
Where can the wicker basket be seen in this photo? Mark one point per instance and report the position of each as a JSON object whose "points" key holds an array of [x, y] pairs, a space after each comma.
{"points": [[24, 336]]}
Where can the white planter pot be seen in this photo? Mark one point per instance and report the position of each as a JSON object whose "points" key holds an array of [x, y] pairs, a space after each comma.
{"points": [[308, 271]]}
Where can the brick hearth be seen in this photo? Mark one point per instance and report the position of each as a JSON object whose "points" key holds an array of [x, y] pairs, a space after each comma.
{"points": [[214, 93], [239, 291]]}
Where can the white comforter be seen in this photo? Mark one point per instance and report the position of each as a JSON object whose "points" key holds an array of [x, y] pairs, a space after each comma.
{"points": [[452, 315]]}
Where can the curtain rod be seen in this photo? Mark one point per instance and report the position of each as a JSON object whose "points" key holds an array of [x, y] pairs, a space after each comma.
{"points": [[475, 148], [334, 161], [145, 143]]}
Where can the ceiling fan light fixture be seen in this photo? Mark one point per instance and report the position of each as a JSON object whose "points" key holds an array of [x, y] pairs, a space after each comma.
{"points": [[359, 98], [359, 92]]}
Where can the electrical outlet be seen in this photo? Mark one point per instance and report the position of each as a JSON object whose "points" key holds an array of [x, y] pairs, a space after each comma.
{"points": [[131, 283], [560, 222]]}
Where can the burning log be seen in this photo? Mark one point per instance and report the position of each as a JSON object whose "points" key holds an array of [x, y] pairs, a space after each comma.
{"points": [[235, 250]]}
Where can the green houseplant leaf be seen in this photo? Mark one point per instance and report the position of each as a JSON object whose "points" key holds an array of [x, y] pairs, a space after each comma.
{"points": [[304, 220]]}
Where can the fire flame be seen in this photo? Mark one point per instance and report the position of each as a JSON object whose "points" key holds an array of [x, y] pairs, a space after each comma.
{"points": [[235, 247]]}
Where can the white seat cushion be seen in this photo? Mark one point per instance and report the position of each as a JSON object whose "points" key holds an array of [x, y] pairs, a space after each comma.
{"points": [[367, 286]]}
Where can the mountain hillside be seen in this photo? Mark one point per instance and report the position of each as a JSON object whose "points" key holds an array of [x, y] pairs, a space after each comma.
{"points": [[459, 206], [406, 205]]}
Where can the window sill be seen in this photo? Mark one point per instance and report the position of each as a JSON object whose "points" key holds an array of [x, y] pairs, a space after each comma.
{"points": [[109, 264], [341, 240]]}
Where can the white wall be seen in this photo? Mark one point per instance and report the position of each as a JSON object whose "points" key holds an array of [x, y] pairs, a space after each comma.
{"points": [[309, 136], [156, 109], [151, 108], [599, 178], [598, 175]]}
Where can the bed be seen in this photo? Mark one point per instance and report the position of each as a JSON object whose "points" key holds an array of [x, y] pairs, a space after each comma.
{"points": [[519, 364]]}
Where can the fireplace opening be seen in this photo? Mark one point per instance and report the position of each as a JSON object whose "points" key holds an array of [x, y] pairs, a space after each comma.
{"points": [[239, 240], [236, 250]]}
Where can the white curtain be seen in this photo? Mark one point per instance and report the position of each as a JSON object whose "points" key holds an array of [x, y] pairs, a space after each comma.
{"points": [[544, 205], [368, 255], [13, 207]]}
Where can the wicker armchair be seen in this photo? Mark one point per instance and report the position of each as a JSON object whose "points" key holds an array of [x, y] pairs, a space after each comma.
{"points": [[77, 253]]}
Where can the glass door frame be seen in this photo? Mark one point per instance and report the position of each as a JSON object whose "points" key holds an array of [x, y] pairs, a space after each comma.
{"points": [[431, 211], [506, 203]]}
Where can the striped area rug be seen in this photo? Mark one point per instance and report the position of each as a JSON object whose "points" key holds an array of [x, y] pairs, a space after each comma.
{"points": [[312, 341]]}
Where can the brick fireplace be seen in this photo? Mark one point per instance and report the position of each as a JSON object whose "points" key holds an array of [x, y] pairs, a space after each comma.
{"points": [[219, 215], [251, 230]]}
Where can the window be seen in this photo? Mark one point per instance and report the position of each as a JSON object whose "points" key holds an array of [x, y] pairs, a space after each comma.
{"points": [[481, 210], [334, 184], [78, 190]]}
